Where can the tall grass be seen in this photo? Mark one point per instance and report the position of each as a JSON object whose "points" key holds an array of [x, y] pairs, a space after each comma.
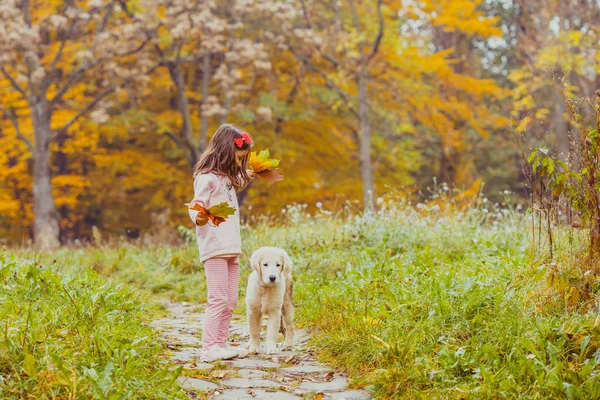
{"points": [[417, 302], [434, 303], [67, 333]]}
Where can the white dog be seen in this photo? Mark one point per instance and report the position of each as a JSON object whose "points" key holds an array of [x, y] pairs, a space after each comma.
{"points": [[270, 292]]}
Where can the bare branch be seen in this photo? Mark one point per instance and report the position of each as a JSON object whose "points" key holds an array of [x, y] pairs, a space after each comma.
{"points": [[379, 34], [328, 82], [26, 13], [109, 12], [13, 82], [15, 121], [83, 111], [377, 42], [306, 18], [175, 138], [92, 104], [180, 60], [61, 48], [75, 76]]}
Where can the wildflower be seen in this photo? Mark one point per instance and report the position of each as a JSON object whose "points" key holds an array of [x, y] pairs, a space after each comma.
{"points": [[519, 207], [319, 204], [379, 200], [485, 200], [485, 210], [419, 206]]}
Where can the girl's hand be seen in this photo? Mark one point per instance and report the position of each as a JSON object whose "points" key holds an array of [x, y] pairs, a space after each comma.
{"points": [[251, 173], [201, 219]]}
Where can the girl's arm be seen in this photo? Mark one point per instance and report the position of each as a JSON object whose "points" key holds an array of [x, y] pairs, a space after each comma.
{"points": [[203, 187]]}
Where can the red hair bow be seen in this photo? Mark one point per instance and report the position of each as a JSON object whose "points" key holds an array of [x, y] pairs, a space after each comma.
{"points": [[239, 142]]}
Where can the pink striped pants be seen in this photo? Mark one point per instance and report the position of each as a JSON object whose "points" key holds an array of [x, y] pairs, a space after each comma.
{"points": [[222, 277]]}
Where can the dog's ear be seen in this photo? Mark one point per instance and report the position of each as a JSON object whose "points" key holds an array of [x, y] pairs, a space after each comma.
{"points": [[288, 266], [255, 260]]}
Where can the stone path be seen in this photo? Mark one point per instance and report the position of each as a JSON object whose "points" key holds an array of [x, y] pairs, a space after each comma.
{"points": [[287, 375]]}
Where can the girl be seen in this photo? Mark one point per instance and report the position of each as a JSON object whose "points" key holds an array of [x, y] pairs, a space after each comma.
{"points": [[218, 175]]}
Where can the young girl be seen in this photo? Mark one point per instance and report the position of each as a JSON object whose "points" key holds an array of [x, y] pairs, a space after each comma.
{"points": [[218, 175]]}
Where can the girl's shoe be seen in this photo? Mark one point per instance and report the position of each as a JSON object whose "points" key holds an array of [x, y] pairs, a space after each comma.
{"points": [[217, 353], [240, 350]]}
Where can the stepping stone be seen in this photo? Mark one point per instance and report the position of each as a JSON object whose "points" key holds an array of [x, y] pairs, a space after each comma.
{"points": [[199, 366], [177, 323], [252, 373], [186, 354], [281, 354], [251, 363], [249, 383], [305, 369], [182, 340], [223, 373], [350, 395], [242, 394], [301, 336], [319, 387], [196, 384]]}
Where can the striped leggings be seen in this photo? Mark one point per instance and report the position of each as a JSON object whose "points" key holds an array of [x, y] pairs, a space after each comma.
{"points": [[222, 277]]}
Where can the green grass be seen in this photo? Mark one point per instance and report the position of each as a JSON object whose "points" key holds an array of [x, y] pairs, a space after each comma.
{"points": [[415, 302], [67, 333]]}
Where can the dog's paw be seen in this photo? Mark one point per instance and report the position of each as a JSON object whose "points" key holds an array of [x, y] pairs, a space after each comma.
{"points": [[272, 349], [287, 346], [252, 348]]}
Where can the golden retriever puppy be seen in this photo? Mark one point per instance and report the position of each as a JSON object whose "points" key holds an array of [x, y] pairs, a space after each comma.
{"points": [[270, 292]]}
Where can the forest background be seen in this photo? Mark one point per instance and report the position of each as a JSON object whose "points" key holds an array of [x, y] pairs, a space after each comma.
{"points": [[105, 105]]}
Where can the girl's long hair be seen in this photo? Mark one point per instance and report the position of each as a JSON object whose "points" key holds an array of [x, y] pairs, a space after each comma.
{"points": [[219, 157]]}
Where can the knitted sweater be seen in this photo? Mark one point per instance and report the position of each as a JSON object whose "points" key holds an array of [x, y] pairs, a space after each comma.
{"points": [[210, 190]]}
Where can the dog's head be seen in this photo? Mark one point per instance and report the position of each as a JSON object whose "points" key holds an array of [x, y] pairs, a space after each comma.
{"points": [[271, 264]]}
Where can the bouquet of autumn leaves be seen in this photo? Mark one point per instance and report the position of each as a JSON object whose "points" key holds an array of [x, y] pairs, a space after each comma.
{"points": [[216, 214], [263, 166]]}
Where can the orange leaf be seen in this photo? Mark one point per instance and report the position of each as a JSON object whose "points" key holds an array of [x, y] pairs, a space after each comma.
{"points": [[271, 175], [217, 214]]}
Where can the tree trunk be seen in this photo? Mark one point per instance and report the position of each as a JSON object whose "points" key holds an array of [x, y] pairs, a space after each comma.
{"points": [[202, 140], [184, 110], [46, 227], [366, 169]]}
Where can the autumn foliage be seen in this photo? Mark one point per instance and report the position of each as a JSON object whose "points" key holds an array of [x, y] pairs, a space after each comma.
{"points": [[107, 104]]}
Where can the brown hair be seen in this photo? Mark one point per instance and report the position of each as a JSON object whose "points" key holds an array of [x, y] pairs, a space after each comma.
{"points": [[219, 157]]}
